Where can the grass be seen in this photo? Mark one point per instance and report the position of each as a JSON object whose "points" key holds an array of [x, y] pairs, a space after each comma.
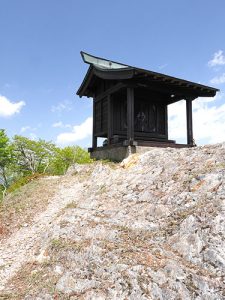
{"points": [[66, 244], [102, 190], [34, 278], [57, 244], [71, 205], [31, 280], [21, 205], [112, 164]]}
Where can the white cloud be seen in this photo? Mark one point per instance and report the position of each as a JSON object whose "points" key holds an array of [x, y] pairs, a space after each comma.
{"points": [[218, 79], [61, 125], [62, 106], [218, 59], [177, 121], [79, 132], [57, 124], [208, 121], [9, 108], [28, 129], [24, 129]]}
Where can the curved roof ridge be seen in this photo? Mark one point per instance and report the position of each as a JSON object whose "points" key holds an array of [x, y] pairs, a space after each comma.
{"points": [[101, 62]]}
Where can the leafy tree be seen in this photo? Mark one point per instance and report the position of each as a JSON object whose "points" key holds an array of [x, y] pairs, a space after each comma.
{"points": [[66, 157], [32, 156], [23, 159], [5, 158]]}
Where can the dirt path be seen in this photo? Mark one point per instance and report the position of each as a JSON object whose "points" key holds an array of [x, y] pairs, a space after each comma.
{"points": [[19, 248]]}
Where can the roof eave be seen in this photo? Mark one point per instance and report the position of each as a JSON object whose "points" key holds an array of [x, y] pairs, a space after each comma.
{"points": [[81, 91], [128, 72], [163, 77]]}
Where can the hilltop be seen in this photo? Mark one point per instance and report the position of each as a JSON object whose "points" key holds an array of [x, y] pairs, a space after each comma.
{"points": [[151, 227]]}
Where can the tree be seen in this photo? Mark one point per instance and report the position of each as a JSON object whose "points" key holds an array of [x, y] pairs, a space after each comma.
{"points": [[66, 157], [32, 156], [22, 158], [5, 158]]}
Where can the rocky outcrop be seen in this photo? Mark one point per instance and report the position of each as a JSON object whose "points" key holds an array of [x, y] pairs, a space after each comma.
{"points": [[150, 228]]}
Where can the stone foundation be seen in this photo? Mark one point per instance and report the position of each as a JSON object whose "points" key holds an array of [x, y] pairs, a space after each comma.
{"points": [[118, 153], [113, 153]]}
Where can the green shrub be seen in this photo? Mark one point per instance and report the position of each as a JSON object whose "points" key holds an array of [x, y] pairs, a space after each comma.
{"points": [[22, 181], [23, 159], [66, 157]]}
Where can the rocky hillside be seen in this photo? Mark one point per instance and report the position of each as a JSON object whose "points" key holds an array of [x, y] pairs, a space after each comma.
{"points": [[152, 227]]}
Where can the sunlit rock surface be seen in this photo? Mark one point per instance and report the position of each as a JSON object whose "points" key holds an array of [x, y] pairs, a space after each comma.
{"points": [[150, 228]]}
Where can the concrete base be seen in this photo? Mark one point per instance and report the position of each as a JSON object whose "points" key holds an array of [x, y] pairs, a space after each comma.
{"points": [[118, 153], [113, 153]]}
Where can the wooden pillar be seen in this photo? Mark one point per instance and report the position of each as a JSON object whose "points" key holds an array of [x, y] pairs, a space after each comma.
{"points": [[110, 117], [130, 115], [94, 138], [189, 122], [166, 121]]}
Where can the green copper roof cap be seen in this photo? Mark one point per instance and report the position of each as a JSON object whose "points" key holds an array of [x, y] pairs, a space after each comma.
{"points": [[101, 62]]}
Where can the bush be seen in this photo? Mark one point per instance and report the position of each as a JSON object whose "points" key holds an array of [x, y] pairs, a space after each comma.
{"points": [[22, 160], [66, 157], [22, 181]]}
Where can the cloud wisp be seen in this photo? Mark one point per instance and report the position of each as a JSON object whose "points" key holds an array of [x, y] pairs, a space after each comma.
{"points": [[24, 129], [9, 108], [62, 106], [217, 60], [218, 79], [60, 124], [79, 132]]}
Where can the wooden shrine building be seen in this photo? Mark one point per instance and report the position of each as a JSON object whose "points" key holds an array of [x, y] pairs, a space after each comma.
{"points": [[130, 106]]}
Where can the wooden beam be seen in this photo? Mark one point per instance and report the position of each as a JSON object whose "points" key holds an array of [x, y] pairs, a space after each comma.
{"points": [[94, 138], [190, 140], [175, 99], [130, 115], [175, 88], [87, 79], [166, 121], [110, 118], [109, 91], [166, 89]]}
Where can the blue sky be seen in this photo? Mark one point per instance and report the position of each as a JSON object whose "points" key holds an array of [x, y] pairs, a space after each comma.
{"points": [[41, 67]]}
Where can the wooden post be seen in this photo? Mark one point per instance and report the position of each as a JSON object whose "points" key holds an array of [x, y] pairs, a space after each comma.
{"points": [[94, 138], [130, 115], [109, 134], [189, 122], [166, 121]]}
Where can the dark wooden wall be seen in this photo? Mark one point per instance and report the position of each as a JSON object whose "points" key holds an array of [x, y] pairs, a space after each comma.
{"points": [[119, 114], [150, 116], [101, 118]]}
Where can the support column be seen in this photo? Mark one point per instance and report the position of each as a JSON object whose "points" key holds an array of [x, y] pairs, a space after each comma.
{"points": [[130, 116], [110, 115], [190, 140], [94, 138], [166, 121]]}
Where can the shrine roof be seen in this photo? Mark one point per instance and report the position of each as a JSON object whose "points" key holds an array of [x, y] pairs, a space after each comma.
{"points": [[111, 70]]}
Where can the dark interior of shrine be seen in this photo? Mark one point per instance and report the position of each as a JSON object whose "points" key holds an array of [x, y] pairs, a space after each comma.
{"points": [[150, 116]]}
